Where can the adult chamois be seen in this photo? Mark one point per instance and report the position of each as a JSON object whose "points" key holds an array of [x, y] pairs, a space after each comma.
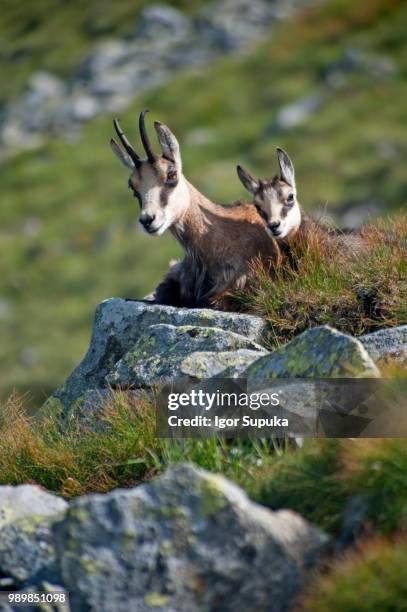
{"points": [[277, 204], [219, 241]]}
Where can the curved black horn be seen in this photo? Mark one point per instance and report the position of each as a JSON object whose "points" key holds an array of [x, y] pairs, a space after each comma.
{"points": [[125, 142], [152, 157]]}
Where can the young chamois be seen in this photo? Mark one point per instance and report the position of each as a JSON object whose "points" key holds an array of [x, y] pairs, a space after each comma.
{"points": [[219, 241], [277, 204]]}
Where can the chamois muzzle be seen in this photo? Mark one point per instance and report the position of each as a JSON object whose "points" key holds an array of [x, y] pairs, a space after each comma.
{"points": [[274, 228]]}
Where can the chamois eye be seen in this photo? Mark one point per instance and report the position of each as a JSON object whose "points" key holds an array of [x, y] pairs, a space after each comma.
{"points": [[172, 176], [290, 199]]}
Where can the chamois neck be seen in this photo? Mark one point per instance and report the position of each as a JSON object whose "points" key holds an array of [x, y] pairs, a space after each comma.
{"points": [[192, 225]]}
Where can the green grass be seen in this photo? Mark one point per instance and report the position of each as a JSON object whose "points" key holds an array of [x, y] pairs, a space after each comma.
{"points": [[68, 235], [372, 579], [323, 285], [123, 451], [317, 480]]}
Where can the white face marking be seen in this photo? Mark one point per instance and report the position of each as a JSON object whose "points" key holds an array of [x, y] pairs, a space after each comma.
{"points": [[162, 204], [273, 204], [290, 223], [178, 202]]}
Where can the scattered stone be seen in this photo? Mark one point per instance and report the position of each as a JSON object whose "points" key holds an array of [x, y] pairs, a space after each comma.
{"points": [[355, 61], [189, 540], [159, 353], [162, 24], [386, 343], [165, 41], [295, 114], [231, 24]]}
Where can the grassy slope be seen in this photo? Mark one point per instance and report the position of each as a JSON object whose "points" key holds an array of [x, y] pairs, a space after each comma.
{"points": [[87, 247], [55, 35]]}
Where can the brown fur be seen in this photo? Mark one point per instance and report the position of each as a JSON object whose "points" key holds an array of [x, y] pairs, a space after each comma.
{"points": [[219, 242]]}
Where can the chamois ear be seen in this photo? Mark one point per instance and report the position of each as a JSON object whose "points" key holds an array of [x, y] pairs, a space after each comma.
{"points": [[286, 167], [248, 181], [121, 155], [169, 144]]}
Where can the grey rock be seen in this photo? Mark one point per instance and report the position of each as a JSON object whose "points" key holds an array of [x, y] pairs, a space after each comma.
{"points": [[354, 522], [25, 501], [159, 353], [231, 24], [357, 61], [295, 114], [207, 364], [105, 56], [120, 323], [44, 86], [162, 24], [321, 352], [26, 543], [386, 343], [189, 540], [84, 107]]}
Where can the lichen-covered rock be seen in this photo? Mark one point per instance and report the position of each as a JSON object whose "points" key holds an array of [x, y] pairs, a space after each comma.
{"points": [[386, 343], [189, 540], [321, 352], [159, 353], [26, 543], [26, 501], [118, 325], [206, 364]]}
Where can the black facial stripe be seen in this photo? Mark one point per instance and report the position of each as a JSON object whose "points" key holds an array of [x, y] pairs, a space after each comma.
{"points": [[138, 197], [261, 212], [284, 211], [164, 195]]}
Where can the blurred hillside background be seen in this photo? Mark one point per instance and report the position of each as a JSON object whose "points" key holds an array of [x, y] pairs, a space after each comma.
{"points": [[233, 79]]}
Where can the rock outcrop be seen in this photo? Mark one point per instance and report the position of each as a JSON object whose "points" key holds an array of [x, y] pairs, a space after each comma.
{"points": [[136, 345], [189, 540], [120, 324]]}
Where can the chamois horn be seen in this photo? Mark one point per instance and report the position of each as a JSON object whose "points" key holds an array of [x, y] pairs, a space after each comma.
{"points": [[151, 156], [130, 150]]}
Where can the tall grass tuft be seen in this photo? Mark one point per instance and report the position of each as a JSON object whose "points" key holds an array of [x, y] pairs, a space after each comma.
{"points": [[372, 578], [323, 285]]}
